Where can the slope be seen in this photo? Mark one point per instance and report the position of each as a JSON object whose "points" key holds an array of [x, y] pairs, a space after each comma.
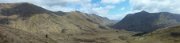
{"points": [[164, 35]]}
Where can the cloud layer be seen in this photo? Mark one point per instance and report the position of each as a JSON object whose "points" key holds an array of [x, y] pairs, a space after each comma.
{"points": [[111, 1], [172, 6], [55, 5]]}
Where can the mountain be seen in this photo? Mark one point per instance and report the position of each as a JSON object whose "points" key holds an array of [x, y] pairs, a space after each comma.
{"points": [[147, 22], [28, 23]]}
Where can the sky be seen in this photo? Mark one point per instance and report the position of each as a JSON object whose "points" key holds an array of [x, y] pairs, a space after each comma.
{"points": [[112, 9]]}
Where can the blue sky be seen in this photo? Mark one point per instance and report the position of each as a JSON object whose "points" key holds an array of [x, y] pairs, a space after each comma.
{"points": [[112, 9], [119, 9]]}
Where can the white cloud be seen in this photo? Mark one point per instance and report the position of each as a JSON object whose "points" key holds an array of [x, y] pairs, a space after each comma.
{"points": [[54, 5], [116, 16], [103, 10], [60, 8], [111, 1], [121, 16], [156, 5], [123, 8]]}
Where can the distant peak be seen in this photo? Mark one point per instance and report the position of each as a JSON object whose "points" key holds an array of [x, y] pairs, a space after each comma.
{"points": [[76, 11], [143, 11], [165, 13], [25, 4], [59, 12]]}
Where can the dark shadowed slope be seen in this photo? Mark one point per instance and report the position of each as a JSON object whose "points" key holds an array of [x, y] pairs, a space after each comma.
{"points": [[20, 9], [147, 22]]}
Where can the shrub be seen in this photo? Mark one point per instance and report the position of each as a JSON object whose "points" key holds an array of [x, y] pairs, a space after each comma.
{"points": [[140, 34], [175, 34]]}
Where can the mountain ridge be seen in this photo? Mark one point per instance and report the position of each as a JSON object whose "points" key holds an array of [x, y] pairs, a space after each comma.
{"points": [[147, 22]]}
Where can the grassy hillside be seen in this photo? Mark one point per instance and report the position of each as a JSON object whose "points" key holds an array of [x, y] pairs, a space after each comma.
{"points": [[27, 23], [165, 35]]}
